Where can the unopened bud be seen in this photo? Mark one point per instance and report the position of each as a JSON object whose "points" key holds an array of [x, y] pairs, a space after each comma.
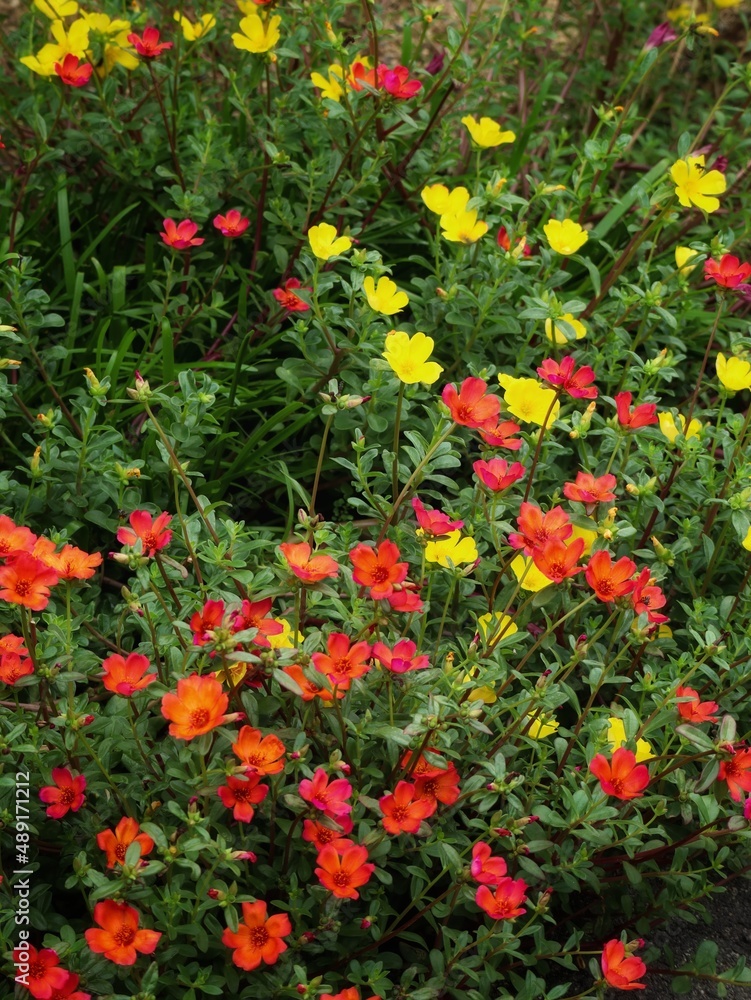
{"points": [[365, 924], [142, 391], [9, 363]]}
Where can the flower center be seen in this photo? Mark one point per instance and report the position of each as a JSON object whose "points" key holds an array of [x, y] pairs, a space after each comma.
{"points": [[259, 936], [23, 588], [400, 813], [150, 541], [429, 788], [341, 879], [342, 666], [380, 574], [732, 769], [120, 851], [324, 835], [606, 586], [617, 785], [67, 796], [37, 970], [124, 936], [199, 718]]}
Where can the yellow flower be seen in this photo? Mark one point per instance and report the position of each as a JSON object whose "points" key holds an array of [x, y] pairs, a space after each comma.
{"points": [[588, 534], [193, 31], [529, 399], [560, 334], [502, 626], [324, 241], [73, 42], [385, 297], [671, 430], [746, 543], [529, 576], [727, 3], [257, 35], [408, 357], [333, 88], [685, 12], [486, 132], [55, 9], [232, 675], [694, 186], [285, 639], [484, 693], [734, 373], [542, 726], [451, 551], [463, 227], [117, 48], [617, 738], [682, 256], [440, 200], [565, 237]]}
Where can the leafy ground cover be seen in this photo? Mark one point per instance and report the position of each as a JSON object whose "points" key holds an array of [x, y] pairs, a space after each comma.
{"points": [[374, 525]]}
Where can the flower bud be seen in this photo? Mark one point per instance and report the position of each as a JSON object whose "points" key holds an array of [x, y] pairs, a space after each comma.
{"points": [[365, 924], [142, 391], [9, 363]]}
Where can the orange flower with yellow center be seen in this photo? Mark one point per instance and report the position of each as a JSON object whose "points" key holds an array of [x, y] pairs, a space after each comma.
{"points": [[197, 708]]}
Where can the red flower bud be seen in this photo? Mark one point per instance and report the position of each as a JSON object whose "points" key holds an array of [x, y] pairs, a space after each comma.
{"points": [[213, 894], [365, 924]]}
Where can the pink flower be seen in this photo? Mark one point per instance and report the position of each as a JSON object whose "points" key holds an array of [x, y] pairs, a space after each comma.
{"points": [[180, 236], [565, 376], [397, 83], [327, 796], [149, 45], [152, 532], [71, 73], [485, 868], [505, 902], [434, 522], [498, 474], [231, 225], [65, 795], [401, 658]]}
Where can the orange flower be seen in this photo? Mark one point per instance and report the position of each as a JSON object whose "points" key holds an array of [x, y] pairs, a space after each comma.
{"points": [[350, 993], [608, 579], [65, 795], [152, 532], [737, 772], [536, 528], [197, 708], [72, 563], [205, 621], [590, 491], [45, 974], [239, 793], [257, 938], [319, 835], [116, 842], [422, 768], [505, 902], [378, 569], [263, 754], [14, 539], [470, 407], [621, 776], [695, 710], [619, 970], [13, 668], [119, 940], [126, 676], [309, 689], [557, 560], [309, 569], [440, 786], [486, 868], [344, 662], [12, 644], [344, 873], [252, 614], [403, 811], [27, 581]]}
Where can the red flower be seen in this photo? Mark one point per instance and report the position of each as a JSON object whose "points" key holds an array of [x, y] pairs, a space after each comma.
{"points": [[231, 225], [119, 940], [126, 676], [608, 579], [557, 560], [149, 45], [403, 811], [406, 599], [565, 376], [502, 435], [497, 474], [206, 620], [505, 902], [590, 491], [71, 73], [257, 938], [504, 242], [69, 990], [152, 532], [320, 835], [440, 786], [12, 644], [327, 796], [45, 974], [619, 970], [621, 776], [359, 74], [308, 568], [470, 407], [422, 767], [695, 710], [287, 299], [344, 873], [737, 773], [116, 842], [396, 82], [344, 662], [180, 236], [197, 707], [434, 522], [14, 538], [65, 795], [239, 793], [647, 598], [309, 690], [728, 271], [351, 993], [27, 581], [378, 569], [13, 668], [252, 614], [536, 528], [262, 754], [401, 659], [485, 868], [641, 415]]}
